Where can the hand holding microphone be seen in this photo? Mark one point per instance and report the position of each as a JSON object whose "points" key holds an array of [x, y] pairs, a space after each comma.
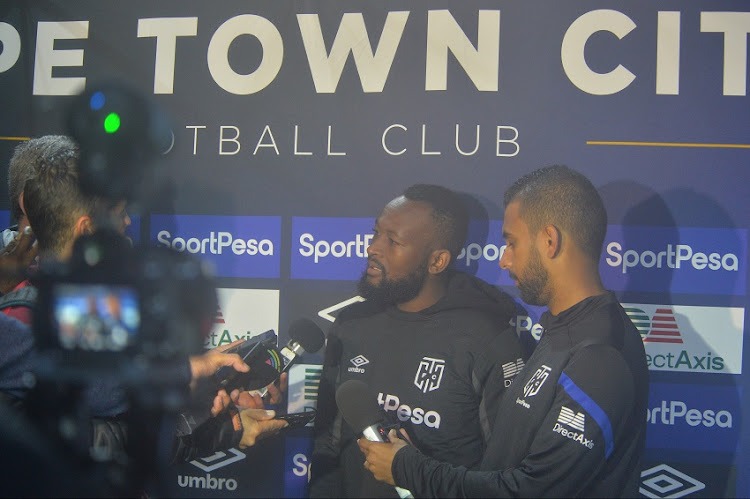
{"points": [[304, 336], [266, 362], [358, 407]]}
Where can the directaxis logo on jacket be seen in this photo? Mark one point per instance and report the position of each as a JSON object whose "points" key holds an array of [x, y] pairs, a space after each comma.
{"points": [[511, 370], [429, 374], [574, 421]]}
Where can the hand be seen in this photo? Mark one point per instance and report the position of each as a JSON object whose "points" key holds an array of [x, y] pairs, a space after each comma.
{"points": [[379, 456], [221, 402], [253, 400], [258, 424], [276, 393], [211, 361], [15, 258]]}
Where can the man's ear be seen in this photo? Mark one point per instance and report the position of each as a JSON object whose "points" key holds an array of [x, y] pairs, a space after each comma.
{"points": [[552, 241], [84, 226], [20, 203], [438, 261]]}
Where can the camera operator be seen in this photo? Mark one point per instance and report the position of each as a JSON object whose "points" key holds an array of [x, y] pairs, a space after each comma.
{"points": [[17, 245], [59, 214]]}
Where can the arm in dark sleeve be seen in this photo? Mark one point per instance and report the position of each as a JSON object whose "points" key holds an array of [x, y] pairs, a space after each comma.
{"points": [[502, 360], [221, 432], [17, 356], [106, 398], [596, 392], [326, 475]]}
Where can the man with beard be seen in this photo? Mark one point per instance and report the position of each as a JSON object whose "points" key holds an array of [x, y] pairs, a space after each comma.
{"points": [[578, 409], [434, 344]]}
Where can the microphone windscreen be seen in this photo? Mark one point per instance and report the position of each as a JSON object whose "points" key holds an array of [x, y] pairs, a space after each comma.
{"points": [[307, 334], [357, 405]]}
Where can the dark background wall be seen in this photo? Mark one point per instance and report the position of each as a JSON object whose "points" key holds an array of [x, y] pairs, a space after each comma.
{"points": [[295, 164]]}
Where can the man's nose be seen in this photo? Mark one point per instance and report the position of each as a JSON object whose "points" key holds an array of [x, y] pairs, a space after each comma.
{"points": [[505, 261], [374, 247]]}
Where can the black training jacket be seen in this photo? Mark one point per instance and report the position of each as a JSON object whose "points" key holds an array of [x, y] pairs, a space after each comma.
{"points": [[573, 424], [440, 373]]}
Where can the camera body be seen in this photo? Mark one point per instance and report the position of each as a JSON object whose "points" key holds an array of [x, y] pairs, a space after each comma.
{"points": [[122, 313]]}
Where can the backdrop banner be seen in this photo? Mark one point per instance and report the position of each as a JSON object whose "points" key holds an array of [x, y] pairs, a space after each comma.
{"points": [[294, 123]]}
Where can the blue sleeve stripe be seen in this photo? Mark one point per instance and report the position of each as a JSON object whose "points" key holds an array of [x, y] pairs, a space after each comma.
{"points": [[592, 408]]}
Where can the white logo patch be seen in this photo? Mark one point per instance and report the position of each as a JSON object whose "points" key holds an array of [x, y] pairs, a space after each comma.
{"points": [[537, 380], [429, 374], [665, 481], [511, 369], [577, 421], [358, 361]]}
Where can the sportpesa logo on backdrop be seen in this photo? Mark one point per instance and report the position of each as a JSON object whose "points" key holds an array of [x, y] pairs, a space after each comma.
{"points": [[336, 249], [675, 259], [693, 417], [235, 246], [690, 339], [330, 248]]}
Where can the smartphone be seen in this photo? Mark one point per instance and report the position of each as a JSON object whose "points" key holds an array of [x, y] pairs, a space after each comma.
{"points": [[227, 377], [297, 420]]}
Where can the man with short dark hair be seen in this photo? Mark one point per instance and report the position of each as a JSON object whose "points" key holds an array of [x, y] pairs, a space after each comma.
{"points": [[575, 418], [24, 164], [17, 244], [434, 344], [59, 213]]}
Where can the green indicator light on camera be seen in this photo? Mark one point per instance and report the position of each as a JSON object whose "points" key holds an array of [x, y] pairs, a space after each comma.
{"points": [[112, 123]]}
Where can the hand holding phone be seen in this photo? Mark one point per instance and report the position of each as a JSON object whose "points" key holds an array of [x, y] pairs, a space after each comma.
{"points": [[298, 419]]}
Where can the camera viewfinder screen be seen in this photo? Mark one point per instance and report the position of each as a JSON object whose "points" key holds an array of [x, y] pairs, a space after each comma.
{"points": [[95, 317]]}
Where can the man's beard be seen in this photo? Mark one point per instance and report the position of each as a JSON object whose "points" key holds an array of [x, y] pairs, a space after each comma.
{"points": [[394, 292], [534, 281]]}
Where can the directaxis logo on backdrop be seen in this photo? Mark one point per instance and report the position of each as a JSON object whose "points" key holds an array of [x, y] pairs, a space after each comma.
{"points": [[676, 260], [235, 246], [243, 313], [693, 417], [690, 339]]}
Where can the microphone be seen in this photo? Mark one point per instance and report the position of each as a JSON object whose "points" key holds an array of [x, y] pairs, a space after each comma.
{"points": [[358, 407], [304, 336], [266, 363]]}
